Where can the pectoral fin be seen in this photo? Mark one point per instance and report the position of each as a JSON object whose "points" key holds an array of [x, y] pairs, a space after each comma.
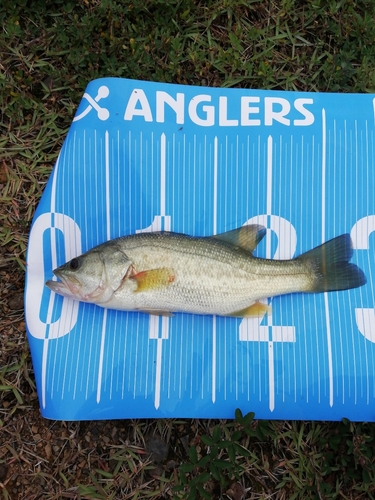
{"points": [[257, 309], [153, 279]]}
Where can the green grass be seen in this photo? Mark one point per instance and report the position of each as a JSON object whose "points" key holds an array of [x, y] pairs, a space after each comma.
{"points": [[49, 51]]}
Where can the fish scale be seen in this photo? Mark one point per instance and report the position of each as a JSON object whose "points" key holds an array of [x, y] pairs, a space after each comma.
{"points": [[165, 272]]}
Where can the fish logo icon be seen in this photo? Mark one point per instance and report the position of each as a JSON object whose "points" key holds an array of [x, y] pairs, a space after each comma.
{"points": [[103, 113]]}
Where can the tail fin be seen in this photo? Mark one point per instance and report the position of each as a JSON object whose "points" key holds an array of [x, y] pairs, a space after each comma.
{"points": [[331, 268]]}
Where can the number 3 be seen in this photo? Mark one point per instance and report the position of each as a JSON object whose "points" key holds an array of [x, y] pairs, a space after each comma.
{"points": [[364, 316]]}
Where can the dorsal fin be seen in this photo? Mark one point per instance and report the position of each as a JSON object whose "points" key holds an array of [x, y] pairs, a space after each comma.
{"points": [[246, 237]]}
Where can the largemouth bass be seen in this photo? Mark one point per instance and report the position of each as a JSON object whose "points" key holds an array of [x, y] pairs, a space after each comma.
{"points": [[161, 273]]}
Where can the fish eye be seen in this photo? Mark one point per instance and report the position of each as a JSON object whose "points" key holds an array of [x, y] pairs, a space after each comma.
{"points": [[74, 264]]}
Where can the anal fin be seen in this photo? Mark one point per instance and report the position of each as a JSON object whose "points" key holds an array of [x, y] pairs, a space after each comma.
{"points": [[156, 312], [257, 309]]}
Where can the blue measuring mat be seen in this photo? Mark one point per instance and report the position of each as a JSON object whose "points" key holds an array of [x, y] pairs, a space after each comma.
{"points": [[143, 156]]}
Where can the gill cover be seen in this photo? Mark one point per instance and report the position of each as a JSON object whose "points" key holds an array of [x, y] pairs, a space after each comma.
{"points": [[93, 276]]}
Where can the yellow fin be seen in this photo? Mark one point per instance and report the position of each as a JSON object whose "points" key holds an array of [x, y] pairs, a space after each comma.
{"points": [[153, 278], [256, 309], [246, 237]]}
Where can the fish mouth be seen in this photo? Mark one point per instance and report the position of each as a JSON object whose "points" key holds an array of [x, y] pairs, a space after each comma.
{"points": [[67, 287], [60, 288]]}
